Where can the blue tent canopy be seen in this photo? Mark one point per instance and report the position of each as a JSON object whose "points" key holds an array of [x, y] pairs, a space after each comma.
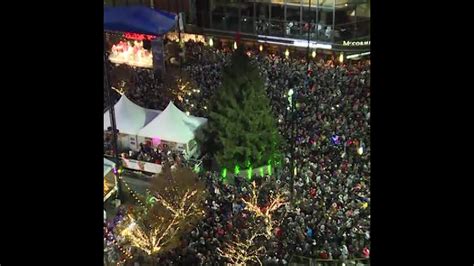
{"points": [[138, 19]]}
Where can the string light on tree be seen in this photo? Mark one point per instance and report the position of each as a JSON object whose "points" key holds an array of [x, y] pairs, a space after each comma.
{"points": [[275, 202], [242, 252], [152, 238], [236, 170], [119, 247], [132, 192]]}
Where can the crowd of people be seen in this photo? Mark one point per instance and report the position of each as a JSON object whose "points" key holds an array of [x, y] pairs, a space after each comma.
{"points": [[310, 230], [330, 129], [143, 88], [162, 154], [158, 155]]}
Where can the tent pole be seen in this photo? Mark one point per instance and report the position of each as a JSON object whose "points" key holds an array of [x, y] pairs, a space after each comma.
{"points": [[179, 34], [111, 104], [112, 115]]}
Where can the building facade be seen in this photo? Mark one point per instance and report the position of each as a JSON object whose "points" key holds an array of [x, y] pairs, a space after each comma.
{"points": [[340, 25]]}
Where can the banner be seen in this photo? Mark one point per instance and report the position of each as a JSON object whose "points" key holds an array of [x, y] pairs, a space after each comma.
{"points": [[141, 166], [158, 56]]}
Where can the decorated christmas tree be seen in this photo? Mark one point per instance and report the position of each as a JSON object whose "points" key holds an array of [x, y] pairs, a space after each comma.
{"points": [[242, 131]]}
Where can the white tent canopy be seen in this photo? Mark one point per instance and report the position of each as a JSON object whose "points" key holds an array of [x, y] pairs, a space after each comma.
{"points": [[129, 117], [108, 166], [172, 125]]}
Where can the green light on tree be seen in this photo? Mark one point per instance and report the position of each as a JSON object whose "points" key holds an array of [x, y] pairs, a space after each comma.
{"points": [[249, 173], [236, 170], [269, 169], [261, 171], [224, 173]]}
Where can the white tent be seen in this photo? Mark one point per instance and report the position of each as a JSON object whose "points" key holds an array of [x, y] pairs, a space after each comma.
{"points": [[110, 181], [172, 125], [108, 166], [129, 117]]}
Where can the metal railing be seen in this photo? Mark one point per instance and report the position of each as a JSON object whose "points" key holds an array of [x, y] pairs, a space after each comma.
{"points": [[301, 260]]}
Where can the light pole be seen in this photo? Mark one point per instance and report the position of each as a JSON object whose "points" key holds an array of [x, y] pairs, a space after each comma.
{"points": [[112, 116], [292, 140], [309, 30]]}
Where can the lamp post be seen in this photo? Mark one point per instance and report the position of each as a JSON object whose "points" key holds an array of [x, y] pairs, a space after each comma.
{"points": [[181, 44], [292, 139], [309, 30], [112, 115]]}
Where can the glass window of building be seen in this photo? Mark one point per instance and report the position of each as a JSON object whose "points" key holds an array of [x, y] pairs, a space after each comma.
{"points": [[247, 17], [361, 19], [262, 18], [232, 17], [277, 19], [352, 21], [225, 15], [309, 20], [218, 18], [293, 16]]}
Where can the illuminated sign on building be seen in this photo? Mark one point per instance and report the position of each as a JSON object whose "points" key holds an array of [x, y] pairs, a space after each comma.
{"points": [[138, 36], [355, 43]]}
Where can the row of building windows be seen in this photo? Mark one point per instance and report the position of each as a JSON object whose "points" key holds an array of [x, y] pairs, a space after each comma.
{"points": [[332, 21], [348, 21]]}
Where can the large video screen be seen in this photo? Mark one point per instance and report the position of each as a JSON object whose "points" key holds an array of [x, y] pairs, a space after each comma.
{"points": [[132, 49]]}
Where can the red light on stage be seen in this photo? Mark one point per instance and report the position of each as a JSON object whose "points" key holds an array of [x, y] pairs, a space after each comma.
{"points": [[138, 36]]}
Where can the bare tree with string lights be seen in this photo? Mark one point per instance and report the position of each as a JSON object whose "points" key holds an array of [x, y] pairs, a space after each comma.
{"points": [[175, 204], [243, 250], [274, 202], [248, 247]]}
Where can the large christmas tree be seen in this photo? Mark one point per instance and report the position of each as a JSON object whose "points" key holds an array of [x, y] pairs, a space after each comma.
{"points": [[242, 131]]}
